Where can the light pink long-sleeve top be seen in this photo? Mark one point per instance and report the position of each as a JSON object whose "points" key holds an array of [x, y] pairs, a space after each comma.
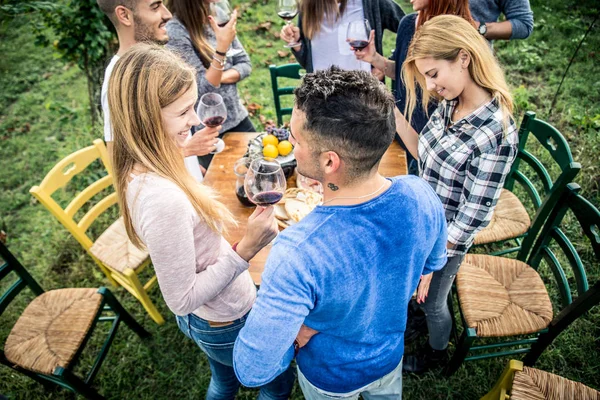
{"points": [[198, 271]]}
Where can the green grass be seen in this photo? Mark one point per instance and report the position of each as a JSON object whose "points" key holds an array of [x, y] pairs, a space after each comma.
{"points": [[44, 116]]}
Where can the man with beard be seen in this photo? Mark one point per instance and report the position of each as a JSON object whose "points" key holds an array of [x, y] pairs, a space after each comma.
{"points": [[346, 272], [144, 21]]}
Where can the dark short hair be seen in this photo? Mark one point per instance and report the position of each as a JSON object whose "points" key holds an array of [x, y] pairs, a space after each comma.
{"points": [[108, 7], [349, 112]]}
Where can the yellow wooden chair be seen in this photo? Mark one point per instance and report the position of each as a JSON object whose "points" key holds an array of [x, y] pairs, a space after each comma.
{"points": [[114, 253], [518, 382]]}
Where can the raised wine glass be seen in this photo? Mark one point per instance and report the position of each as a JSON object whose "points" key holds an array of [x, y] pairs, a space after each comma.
{"points": [[212, 112], [358, 33], [221, 12], [288, 9], [265, 181]]}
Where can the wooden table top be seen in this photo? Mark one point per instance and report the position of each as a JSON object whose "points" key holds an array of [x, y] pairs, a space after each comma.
{"points": [[220, 176]]}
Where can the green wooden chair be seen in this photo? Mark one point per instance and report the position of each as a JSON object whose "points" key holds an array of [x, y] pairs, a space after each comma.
{"points": [[50, 334], [511, 219], [291, 71], [505, 298]]}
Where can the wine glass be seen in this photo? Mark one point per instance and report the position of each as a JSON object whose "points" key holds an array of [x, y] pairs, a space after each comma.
{"points": [[288, 9], [221, 12], [265, 181], [212, 112], [358, 33]]}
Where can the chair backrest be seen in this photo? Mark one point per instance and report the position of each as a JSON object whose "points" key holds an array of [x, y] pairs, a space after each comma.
{"points": [[8, 264], [291, 71], [559, 151], [554, 246], [61, 174]]}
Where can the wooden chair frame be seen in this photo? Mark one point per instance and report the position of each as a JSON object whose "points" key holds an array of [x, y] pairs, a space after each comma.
{"points": [[291, 71], [588, 217], [58, 177], [558, 148], [64, 377]]}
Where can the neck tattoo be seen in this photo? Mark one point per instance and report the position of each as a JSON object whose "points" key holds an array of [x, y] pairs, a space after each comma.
{"points": [[355, 197], [333, 187]]}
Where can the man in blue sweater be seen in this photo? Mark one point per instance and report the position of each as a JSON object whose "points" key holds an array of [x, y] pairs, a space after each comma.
{"points": [[347, 271]]}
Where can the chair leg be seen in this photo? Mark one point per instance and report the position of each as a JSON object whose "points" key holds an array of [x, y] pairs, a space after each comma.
{"points": [[504, 383], [135, 283], [78, 385], [105, 270], [462, 349], [122, 313]]}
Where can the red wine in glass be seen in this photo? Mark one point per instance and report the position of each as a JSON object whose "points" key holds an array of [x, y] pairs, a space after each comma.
{"points": [[287, 15], [267, 198], [213, 122], [359, 44], [222, 24]]}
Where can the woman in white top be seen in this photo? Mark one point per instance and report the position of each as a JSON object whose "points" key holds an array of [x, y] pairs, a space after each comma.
{"points": [[203, 279], [322, 26]]}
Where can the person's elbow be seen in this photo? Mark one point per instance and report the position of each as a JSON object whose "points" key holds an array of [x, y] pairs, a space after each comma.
{"points": [[522, 29], [248, 372]]}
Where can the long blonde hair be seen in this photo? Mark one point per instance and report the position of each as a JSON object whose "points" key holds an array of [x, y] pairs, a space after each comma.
{"points": [[442, 38], [193, 14], [315, 11], [146, 79]]}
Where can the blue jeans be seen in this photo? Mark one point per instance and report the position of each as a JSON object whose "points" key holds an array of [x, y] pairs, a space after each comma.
{"points": [[387, 388], [217, 344], [439, 320]]}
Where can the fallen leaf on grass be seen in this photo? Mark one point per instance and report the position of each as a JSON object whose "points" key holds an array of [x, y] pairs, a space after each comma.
{"points": [[269, 44], [283, 53], [265, 26], [253, 108]]}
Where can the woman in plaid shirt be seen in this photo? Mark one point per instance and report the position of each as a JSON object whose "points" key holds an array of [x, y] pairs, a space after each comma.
{"points": [[465, 151]]}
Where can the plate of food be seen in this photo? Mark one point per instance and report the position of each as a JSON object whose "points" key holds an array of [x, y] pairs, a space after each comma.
{"points": [[274, 143], [295, 205]]}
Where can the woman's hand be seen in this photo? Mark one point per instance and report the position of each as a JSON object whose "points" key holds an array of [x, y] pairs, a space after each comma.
{"points": [[367, 54], [261, 230], [290, 34], [423, 288], [226, 34], [202, 142]]}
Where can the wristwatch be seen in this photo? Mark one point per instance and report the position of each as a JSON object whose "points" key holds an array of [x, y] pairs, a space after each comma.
{"points": [[482, 29]]}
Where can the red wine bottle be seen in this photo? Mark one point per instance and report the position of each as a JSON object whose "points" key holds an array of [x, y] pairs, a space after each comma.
{"points": [[243, 198]]}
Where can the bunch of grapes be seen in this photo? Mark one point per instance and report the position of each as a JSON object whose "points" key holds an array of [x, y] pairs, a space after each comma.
{"points": [[280, 133]]}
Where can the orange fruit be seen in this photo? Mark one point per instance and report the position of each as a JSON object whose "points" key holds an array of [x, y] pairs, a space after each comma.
{"points": [[270, 139], [270, 150], [285, 147]]}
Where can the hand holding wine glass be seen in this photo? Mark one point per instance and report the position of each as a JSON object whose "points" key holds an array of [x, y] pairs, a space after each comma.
{"points": [[260, 231], [223, 22], [288, 9], [358, 34], [213, 112], [368, 52]]}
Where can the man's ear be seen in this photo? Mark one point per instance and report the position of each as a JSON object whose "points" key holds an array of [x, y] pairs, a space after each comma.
{"points": [[330, 162], [124, 16]]}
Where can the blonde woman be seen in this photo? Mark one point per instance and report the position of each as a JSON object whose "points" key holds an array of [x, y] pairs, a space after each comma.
{"points": [[322, 26], [203, 279], [465, 151]]}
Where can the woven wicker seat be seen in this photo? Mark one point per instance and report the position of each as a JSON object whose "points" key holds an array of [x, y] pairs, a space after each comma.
{"points": [[509, 220], [115, 249], [51, 329], [533, 384], [501, 296]]}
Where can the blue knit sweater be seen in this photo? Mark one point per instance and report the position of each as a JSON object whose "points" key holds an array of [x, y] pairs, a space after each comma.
{"points": [[348, 272]]}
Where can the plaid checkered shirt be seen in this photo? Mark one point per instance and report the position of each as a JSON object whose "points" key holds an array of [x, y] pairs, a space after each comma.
{"points": [[466, 163]]}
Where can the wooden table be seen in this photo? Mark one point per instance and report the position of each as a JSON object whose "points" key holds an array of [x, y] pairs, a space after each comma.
{"points": [[220, 176]]}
